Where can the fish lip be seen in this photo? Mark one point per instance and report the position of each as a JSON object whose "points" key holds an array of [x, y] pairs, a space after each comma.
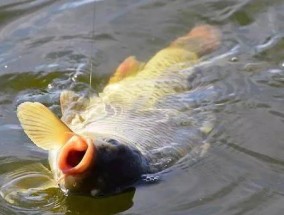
{"points": [[80, 144]]}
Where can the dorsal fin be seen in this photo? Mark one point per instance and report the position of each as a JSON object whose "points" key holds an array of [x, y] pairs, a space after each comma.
{"points": [[130, 66], [42, 126]]}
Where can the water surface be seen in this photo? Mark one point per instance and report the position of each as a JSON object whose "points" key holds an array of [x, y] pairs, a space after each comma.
{"points": [[47, 46]]}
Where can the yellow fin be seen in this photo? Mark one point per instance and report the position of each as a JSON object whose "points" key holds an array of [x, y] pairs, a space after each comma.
{"points": [[201, 40], [42, 126], [72, 105], [130, 66], [66, 98]]}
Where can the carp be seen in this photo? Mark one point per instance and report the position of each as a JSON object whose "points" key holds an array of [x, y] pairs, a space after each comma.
{"points": [[141, 123]]}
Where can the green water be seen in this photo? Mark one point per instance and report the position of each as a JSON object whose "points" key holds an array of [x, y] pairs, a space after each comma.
{"points": [[46, 46]]}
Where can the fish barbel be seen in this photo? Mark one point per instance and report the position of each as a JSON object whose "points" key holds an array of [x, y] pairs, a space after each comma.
{"points": [[142, 122]]}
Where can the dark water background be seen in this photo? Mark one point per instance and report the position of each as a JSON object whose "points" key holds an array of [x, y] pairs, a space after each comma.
{"points": [[46, 46]]}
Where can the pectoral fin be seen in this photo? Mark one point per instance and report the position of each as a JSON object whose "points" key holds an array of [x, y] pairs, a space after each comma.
{"points": [[71, 105], [42, 126], [66, 98]]}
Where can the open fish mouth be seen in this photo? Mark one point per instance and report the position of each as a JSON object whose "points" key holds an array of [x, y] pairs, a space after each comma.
{"points": [[76, 156]]}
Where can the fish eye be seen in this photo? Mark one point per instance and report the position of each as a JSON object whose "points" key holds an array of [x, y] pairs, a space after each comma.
{"points": [[112, 141]]}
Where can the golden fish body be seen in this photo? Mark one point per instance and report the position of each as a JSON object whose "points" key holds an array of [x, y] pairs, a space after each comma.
{"points": [[142, 122]]}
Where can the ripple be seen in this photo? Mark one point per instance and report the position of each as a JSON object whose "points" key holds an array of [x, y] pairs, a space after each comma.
{"points": [[30, 188], [76, 4]]}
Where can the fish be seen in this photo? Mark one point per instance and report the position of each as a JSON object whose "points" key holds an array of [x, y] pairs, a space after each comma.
{"points": [[142, 122]]}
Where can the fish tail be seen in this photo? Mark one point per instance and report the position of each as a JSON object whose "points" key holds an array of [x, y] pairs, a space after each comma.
{"points": [[202, 40]]}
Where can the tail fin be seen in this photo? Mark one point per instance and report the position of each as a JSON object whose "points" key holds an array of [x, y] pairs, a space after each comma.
{"points": [[201, 40]]}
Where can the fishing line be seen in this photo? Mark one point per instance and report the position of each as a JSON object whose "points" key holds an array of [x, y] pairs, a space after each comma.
{"points": [[93, 44]]}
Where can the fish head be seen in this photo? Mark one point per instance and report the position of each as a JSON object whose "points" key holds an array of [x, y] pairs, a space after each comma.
{"points": [[72, 163], [85, 165], [81, 162]]}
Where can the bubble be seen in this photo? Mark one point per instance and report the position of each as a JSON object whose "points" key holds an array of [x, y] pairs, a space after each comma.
{"points": [[151, 178], [74, 78], [234, 59]]}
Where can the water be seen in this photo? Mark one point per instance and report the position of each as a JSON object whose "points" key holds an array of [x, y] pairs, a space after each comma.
{"points": [[46, 47]]}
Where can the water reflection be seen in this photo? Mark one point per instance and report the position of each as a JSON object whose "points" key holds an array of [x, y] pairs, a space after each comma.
{"points": [[30, 188], [107, 205]]}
